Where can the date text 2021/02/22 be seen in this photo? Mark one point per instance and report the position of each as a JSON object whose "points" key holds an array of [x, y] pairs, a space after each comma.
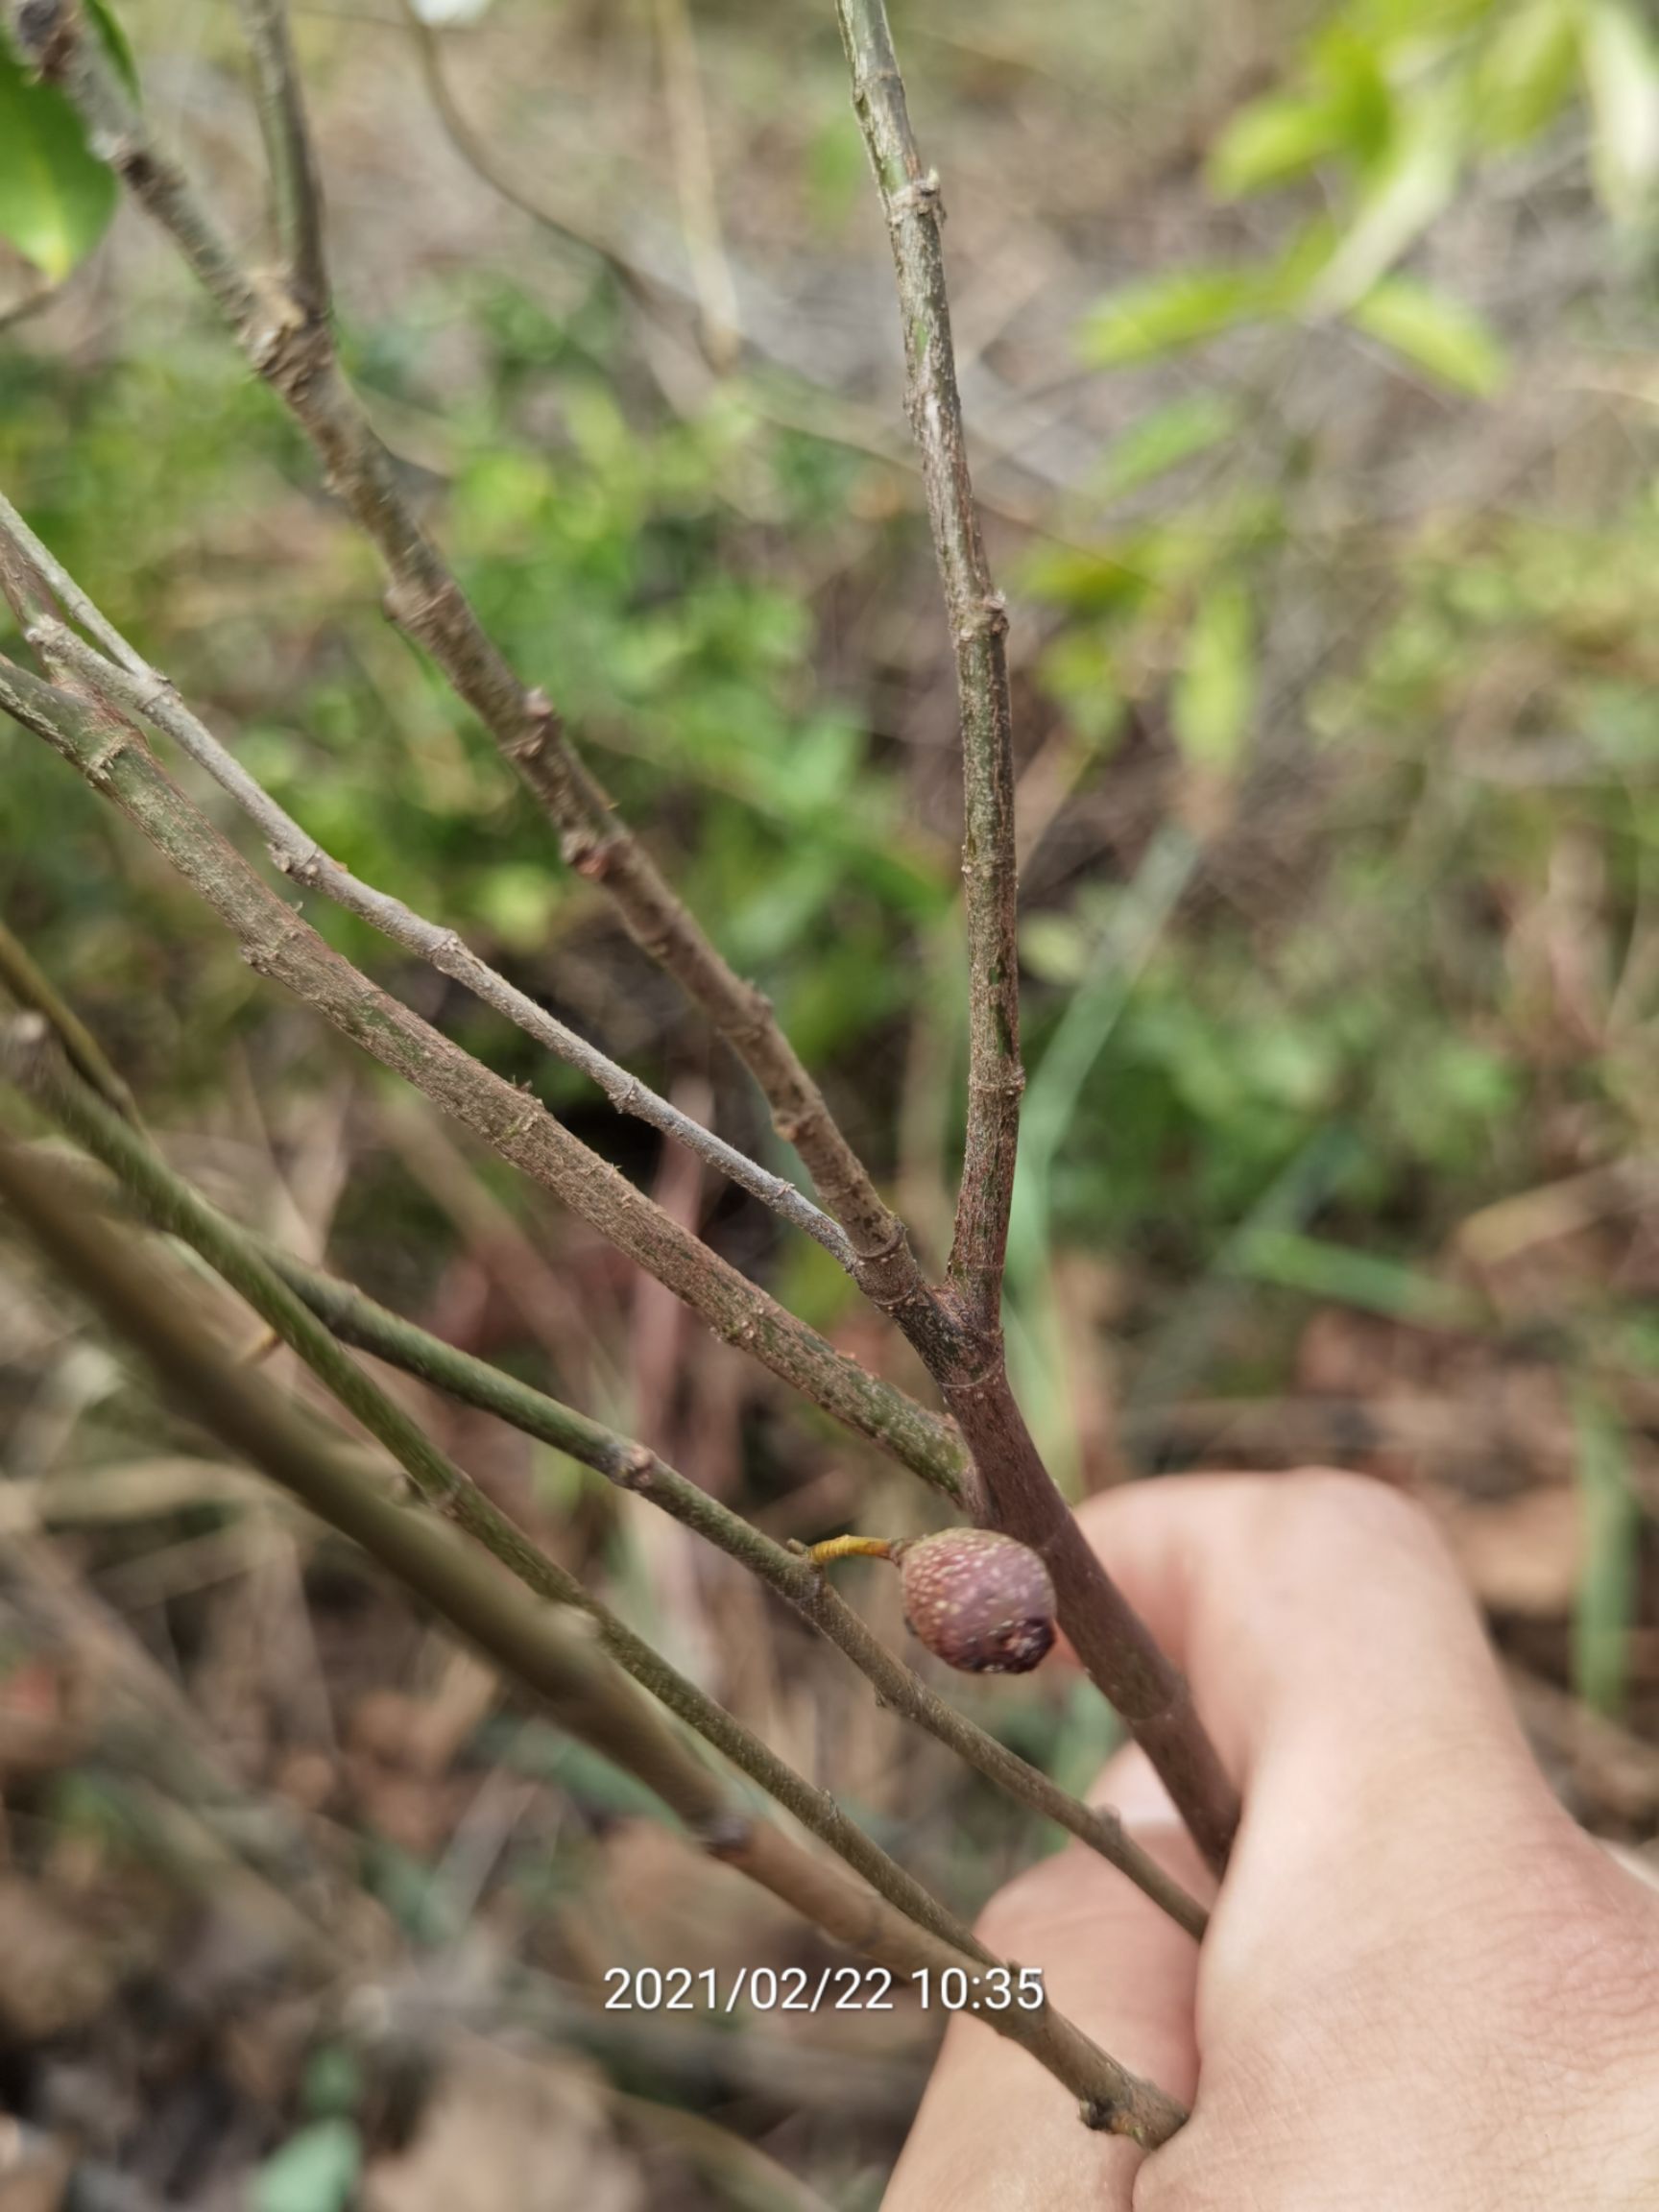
{"points": [[826, 1989]]}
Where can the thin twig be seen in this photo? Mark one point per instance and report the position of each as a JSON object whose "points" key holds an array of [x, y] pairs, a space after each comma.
{"points": [[475, 149], [21, 975], [278, 943], [534, 1643], [739, 2172], [290, 157], [304, 861], [694, 181], [28, 553], [168, 1202], [978, 617], [295, 355]]}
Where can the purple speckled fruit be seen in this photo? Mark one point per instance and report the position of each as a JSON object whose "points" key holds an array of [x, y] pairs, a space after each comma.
{"points": [[978, 1600]]}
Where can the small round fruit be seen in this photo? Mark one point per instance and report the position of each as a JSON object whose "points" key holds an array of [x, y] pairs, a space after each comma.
{"points": [[978, 1600]]}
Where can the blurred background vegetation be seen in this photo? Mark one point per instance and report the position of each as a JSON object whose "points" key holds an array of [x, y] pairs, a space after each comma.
{"points": [[1309, 358]]}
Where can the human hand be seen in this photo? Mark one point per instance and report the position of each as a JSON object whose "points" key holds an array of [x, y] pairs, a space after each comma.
{"points": [[1424, 1988]]}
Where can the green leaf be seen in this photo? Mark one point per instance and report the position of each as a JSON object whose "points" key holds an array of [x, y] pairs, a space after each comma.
{"points": [[1163, 441], [315, 2170], [1350, 114], [1407, 191], [1270, 143], [1439, 335], [1215, 696], [1525, 73], [117, 43], [56, 199], [331, 2088], [1165, 313], [1622, 70], [1348, 64], [1340, 1275]]}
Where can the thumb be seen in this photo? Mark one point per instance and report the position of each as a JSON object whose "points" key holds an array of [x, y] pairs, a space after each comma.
{"points": [[993, 2131]]}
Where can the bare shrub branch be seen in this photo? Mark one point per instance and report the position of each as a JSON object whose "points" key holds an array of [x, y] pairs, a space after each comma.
{"points": [[20, 974], [1019, 1495], [290, 158], [580, 1684], [171, 1203]]}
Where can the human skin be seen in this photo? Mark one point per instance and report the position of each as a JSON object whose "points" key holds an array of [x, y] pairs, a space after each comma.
{"points": [[1424, 1988]]}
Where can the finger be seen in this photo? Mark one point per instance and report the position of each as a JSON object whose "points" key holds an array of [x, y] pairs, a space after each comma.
{"points": [[1322, 1624], [1338, 1657], [995, 2133]]}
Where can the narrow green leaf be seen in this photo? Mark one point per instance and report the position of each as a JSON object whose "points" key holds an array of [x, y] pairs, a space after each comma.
{"points": [[1525, 73], [1165, 313], [1622, 70], [1408, 190], [1606, 1600], [1163, 441], [1270, 143], [1349, 67], [1214, 697], [1350, 114], [56, 199], [1439, 335], [1369, 1280], [117, 43]]}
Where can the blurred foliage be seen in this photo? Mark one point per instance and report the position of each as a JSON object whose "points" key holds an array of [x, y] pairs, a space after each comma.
{"points": [[1394, 105], [622, 562], [56, 196]]}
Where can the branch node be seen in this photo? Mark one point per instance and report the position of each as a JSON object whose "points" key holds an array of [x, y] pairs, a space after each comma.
{"points": [[636, 1467], [590, 856], [47, 33], [987, 617], [286, 346], [98, 767], [545, 727], [303, 867], [922, 196]]}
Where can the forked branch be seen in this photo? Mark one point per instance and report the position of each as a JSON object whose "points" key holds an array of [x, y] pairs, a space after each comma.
{"points": [[979, 618], [1019, 1495]]}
